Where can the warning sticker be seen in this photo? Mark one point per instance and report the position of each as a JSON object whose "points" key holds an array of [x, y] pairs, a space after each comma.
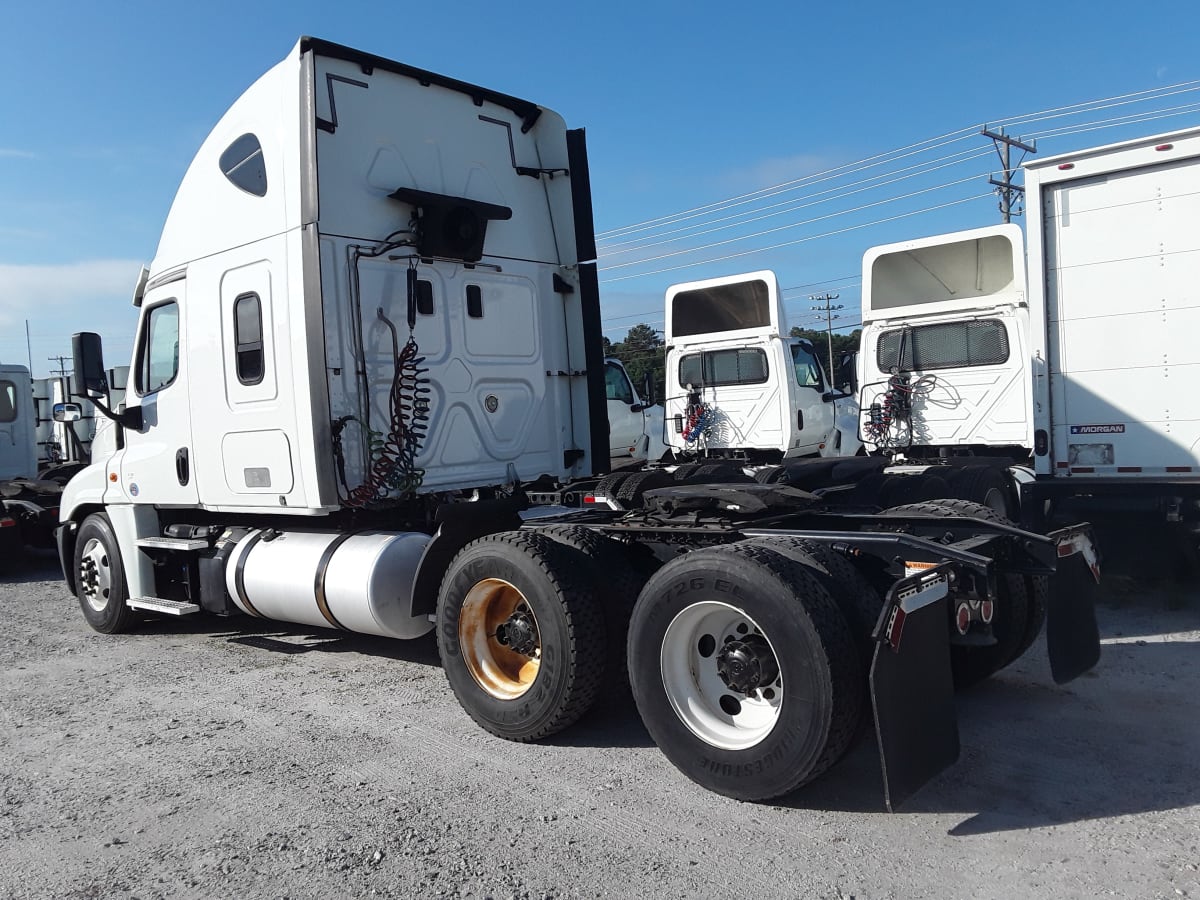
{"points": [[1097, 429]]}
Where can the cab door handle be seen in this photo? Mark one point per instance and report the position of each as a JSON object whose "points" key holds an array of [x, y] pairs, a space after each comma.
{"points": [[181, 466]]}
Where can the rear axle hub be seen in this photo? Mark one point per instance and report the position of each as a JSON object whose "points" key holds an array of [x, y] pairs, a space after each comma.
{"points": [[747, 663]]}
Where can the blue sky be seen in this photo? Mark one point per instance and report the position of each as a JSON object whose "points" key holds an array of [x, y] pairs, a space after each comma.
{"points": [[686, 106]]}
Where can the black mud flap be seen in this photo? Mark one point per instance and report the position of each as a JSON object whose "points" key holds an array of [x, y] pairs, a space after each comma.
{"points": [[1072, 636], [912, 689]]}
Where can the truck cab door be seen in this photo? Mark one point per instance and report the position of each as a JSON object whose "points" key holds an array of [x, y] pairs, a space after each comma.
{"points": [[625, 426], [157, 465], [814, 409]]}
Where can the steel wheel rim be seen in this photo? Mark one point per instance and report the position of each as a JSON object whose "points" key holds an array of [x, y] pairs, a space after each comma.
{"points": [[718, 714], [502, 672], [95, 574]]}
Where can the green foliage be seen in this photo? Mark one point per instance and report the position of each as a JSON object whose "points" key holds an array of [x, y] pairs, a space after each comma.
{"points": [[842, 343]]}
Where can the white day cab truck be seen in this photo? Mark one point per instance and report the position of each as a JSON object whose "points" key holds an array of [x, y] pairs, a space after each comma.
{"points": [[1074, 379], [738, 386], [372, 322]]}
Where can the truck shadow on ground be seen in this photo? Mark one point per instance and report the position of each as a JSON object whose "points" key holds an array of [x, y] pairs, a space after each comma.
{"points": [[1036, 755], [276, 637]]}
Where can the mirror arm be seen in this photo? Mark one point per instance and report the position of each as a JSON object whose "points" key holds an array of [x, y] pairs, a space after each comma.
{"points": [[130, 418]]}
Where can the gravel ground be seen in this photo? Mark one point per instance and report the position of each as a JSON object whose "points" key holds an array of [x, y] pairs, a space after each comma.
{"points": [[219, 758]]}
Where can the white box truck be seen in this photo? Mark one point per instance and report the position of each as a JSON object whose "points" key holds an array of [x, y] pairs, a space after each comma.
{"points": [[1078, 374], [372, 322]]}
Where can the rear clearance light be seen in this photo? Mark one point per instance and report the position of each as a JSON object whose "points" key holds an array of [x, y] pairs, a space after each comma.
{"points": [[1066, 166], [1179, 468], [1161, 147], [962, 618]]}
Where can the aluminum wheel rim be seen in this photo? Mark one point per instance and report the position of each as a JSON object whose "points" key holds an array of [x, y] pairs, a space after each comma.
{"points": [[95, 574], [695, 689], [499, 670]]}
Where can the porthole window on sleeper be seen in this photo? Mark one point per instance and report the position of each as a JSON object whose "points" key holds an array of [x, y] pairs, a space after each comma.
{"points": [[242, 163]]}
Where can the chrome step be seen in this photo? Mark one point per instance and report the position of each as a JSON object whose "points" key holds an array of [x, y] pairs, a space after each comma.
{"points": [[159, 605], [171, 543]]}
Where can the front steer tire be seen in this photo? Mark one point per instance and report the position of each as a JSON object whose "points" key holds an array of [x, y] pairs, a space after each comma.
{"points": [[747, 744], [100, 577], [538, 589]]}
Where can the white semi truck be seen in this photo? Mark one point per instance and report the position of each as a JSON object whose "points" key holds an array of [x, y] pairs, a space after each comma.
{"points": [[1070, 365], [371, 325], [738, 387]]}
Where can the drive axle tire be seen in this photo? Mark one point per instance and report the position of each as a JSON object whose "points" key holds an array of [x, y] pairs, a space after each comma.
{"points": [[520, 634], [744, 671], [618, 582], [100, 577], [632, 488], [859, 602], [1012, 619]]}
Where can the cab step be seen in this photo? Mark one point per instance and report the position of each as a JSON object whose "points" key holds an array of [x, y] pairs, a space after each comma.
{"points": [[172, 543], [159, 605]]}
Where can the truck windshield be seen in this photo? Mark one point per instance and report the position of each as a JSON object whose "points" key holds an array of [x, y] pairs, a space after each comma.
{"points": [[808, 370]]}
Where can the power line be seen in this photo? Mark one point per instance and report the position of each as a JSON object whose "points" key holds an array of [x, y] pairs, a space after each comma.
{"points": [[803, 240]]}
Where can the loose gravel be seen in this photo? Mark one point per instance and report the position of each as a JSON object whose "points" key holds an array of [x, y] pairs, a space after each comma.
{"points": [[203, 757]]}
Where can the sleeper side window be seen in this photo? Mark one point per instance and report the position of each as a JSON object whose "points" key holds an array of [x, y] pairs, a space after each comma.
{"points": [[248, 338]]}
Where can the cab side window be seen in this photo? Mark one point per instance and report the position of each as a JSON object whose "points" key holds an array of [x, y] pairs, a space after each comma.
{"points": [[8, 401], [158, 354], [616, 385]]}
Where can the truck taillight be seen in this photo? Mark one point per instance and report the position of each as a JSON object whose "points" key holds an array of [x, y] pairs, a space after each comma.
{"points": [[7, 522], [1041, 442], [799, 420]]}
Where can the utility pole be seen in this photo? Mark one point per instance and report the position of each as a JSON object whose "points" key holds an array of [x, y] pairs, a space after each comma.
{"points": [[827, 299], [1005, 188], [62, 365]]}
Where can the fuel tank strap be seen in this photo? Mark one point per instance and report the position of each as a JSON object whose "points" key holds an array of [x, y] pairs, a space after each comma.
{"points": [[239, 575], [319, 581]]}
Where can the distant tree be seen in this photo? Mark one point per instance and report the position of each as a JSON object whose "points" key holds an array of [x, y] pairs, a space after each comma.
{"points": [[642, 352], [842, 343]]}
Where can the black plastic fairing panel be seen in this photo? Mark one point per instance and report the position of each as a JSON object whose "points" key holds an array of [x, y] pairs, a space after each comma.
{"points": [[581, 196], [589, 298]]}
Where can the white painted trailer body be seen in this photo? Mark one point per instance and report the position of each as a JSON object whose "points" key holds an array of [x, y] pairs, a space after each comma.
{"points": [[728, 354], [1114, 287]]}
